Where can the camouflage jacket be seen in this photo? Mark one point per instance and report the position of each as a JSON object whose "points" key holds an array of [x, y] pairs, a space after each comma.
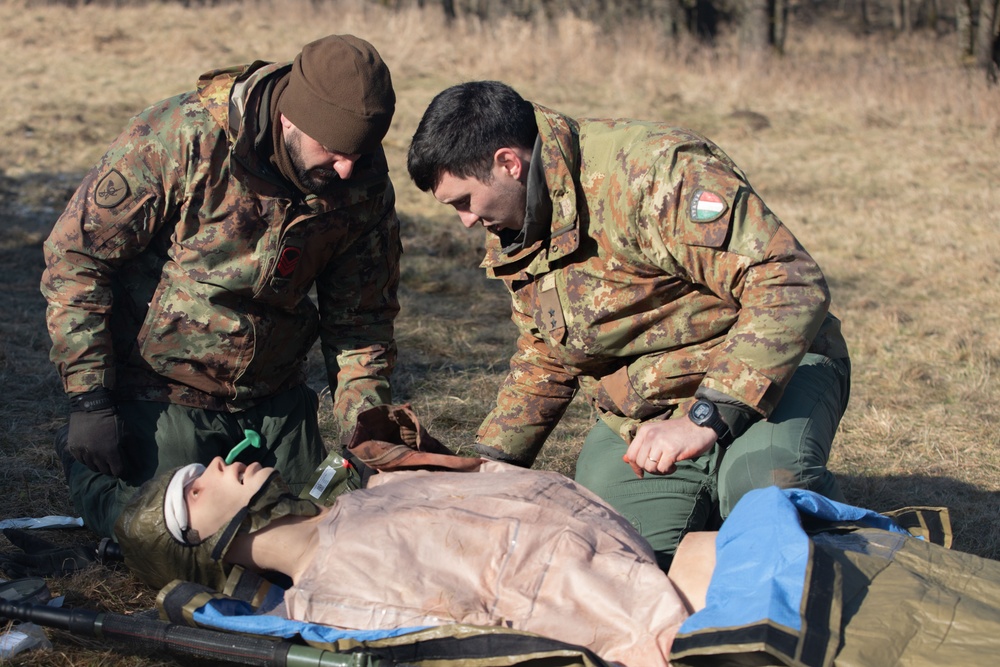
{"points": [[182, 268], [661, 273]]}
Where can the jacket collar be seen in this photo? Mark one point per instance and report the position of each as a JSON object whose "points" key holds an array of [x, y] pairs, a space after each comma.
{"points": [[538, 211], [239, 99], [552, 225]]}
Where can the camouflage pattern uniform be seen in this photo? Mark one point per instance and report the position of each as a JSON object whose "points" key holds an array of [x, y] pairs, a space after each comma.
{"points": [[180, 272], [661, 276]]}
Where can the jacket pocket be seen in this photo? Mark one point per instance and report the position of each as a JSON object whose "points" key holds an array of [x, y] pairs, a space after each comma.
{"points": [[188, 341]]}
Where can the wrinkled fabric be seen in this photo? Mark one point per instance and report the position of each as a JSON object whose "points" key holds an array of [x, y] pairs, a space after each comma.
{"points": [[527, 550], [663, 273], [804, 581], [391, 437], [181, 269]]}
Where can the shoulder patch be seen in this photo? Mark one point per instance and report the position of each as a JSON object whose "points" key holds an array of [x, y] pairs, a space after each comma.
{"points": [[111, 190], [706, 206]]}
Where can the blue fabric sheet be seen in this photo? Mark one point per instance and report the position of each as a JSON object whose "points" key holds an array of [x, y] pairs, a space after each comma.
{"points": [[238, 616], [762, 554]]}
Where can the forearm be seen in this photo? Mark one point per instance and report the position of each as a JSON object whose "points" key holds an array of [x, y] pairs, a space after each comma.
{"points": [[77, 287], [360, 379], [530, 402], [111, 219], [358, 305], [784, 299]]}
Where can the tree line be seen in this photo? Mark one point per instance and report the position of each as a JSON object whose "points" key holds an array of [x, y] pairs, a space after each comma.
{"points": [[762, 25]]}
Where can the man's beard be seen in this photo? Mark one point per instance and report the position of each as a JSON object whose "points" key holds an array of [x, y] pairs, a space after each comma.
{"points": [[317, 179]]}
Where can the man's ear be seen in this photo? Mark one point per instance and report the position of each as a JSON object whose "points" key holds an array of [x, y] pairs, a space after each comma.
{"points": [[285, 123], [511, 162]]}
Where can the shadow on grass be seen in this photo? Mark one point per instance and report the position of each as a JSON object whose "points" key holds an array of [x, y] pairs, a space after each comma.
{"points": [[973, 511]]}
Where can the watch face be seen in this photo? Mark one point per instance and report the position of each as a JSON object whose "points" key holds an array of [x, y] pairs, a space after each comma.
{"points": [[701, 411]]}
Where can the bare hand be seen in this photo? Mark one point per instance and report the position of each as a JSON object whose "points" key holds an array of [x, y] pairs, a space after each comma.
{"points": [[658, 446]]}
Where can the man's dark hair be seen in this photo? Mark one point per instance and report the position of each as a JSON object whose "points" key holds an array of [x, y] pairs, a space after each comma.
{"points": [[463, 127]]}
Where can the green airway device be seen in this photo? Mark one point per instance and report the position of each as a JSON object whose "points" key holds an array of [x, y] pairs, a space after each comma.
{"points": [[251, 438]]}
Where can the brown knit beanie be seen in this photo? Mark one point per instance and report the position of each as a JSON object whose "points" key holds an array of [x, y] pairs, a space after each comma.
{"points": [[340, 94]]}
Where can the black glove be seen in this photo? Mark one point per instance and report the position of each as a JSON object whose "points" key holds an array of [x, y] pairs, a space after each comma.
{"points": [[42, 558], [96, 431]]}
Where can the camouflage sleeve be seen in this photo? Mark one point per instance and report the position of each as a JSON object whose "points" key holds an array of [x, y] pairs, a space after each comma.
{"points": [[358, 305], [723, 237], [531, 400], [111, 218]]}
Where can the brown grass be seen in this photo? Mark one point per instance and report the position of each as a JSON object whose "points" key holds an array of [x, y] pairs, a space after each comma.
{"points": [[879, 153]]}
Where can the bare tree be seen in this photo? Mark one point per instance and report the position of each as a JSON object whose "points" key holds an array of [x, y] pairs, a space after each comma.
{"points": [[762, 26], [987, 40], [754, 26], [963, 29], [902, 15], [779, 24], [978, 32]]}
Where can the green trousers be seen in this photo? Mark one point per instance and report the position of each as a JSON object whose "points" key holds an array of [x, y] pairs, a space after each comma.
{"points": [[789, 449], [163, 436]]}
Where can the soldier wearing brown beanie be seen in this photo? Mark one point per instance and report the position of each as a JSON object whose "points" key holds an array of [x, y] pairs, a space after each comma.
{"points": [[180, 273], [339, 93], [332, 107]]}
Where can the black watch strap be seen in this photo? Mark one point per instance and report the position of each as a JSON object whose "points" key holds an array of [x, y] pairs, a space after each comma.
{"points": [[705, 413], [99, 399]]}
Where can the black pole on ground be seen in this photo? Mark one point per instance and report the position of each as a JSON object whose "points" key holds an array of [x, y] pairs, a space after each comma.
{"points": [[154, 634]]}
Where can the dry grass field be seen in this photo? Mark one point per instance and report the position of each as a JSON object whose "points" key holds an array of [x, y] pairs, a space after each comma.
{"points": [[879, 153]]}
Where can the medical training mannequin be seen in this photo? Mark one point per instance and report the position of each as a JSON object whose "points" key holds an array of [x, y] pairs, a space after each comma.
{"points": [[532, 551], [501, 546], [435, 539]]}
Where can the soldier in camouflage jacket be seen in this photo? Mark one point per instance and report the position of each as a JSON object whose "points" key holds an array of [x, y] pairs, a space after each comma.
{"points": [[647, 274], [179, 276]]}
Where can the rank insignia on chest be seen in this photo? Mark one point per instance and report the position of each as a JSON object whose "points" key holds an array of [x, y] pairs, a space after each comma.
{"points": [[550, 314], [288, 259], [706, 206]]}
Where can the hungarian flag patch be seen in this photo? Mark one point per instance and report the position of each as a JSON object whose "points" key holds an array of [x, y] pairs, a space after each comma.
{"points": [[706, 206]]}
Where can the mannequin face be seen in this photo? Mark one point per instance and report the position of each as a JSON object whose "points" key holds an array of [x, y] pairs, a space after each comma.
{"points": [[215, 497]]}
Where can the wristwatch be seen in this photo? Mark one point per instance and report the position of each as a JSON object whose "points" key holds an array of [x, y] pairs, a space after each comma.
{"points": [[704, 413]]}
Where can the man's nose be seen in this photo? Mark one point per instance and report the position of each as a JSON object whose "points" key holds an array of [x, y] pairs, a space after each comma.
{"points": [[468, 218], [344, 165]]}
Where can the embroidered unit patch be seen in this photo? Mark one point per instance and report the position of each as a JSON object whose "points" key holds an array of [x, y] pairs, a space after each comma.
{"points": [[706, 206], [110, 190]]}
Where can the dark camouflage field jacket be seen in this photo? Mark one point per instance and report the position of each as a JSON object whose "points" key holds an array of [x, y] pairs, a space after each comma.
{"points": [[661, 272], [182, 269]]}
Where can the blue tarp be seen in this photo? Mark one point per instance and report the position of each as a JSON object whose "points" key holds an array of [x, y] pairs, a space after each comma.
{"points": [[762, 554], [238, 616]]}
